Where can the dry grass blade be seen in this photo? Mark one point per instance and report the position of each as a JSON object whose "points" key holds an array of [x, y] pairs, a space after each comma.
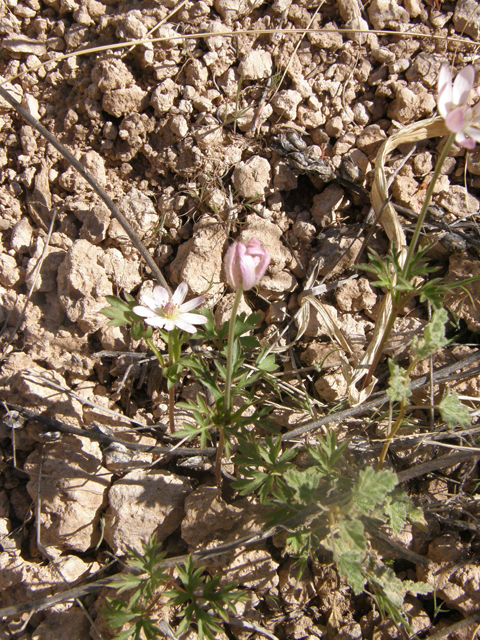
{"points": [[430, 128]]}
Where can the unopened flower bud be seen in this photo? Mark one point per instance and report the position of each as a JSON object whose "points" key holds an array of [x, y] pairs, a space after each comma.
{"points": [[245, 264]]}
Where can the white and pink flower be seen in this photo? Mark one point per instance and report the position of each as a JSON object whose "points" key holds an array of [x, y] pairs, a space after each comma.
{"points": [[167, 312], [460, 118]]}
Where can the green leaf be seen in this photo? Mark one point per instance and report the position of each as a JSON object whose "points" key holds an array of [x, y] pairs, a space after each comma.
{"points": [[351, 568], [372, 488], [352, 533], [398, 382], [304, 484], [434, 335], [454, 412], [396, 510]]}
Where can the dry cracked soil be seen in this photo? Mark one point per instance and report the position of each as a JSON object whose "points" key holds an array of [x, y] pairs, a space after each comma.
{"points": [[208, 121]]}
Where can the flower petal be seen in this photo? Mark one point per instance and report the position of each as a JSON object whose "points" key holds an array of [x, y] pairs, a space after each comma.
{"points": [[143, 312], [170, 324], [455, 120], [184, 325], [156, 321], [160, 296], [247, 266], [233, 277], [468, 143], [463, 85], [445, 90], [147, 301], [192, 318], [472, 132], [192, 304], [180, 293]]}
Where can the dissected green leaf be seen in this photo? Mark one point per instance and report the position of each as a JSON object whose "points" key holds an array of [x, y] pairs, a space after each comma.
{"points": [[434, 335], [398, 382], [454, 412], [351, 568], [352, 534], [372, 488]]}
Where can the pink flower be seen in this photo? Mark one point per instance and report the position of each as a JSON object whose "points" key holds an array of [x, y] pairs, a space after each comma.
{"points": [[452, 100], [245, 264], [168, 312]]}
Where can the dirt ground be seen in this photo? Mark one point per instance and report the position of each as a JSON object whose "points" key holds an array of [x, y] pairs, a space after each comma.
{"points": [[201, 137]]}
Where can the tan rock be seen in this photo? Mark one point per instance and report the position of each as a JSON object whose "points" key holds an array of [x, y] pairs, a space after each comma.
{"points": [[73, 494], [9, 271], [199, 260], [83, 283], [21, 236], [355, 295], [331, 386], [142, 503], [251, 179]]}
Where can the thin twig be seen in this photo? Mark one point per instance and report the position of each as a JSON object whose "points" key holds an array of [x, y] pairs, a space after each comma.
{"points": [[92, 182]]}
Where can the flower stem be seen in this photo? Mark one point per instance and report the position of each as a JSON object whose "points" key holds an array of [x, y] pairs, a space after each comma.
{"points": [[398, 422], [171, 406], [227, 405], [231, 338], [171, 391], [155, 351], [428, 197], [218, 457]]}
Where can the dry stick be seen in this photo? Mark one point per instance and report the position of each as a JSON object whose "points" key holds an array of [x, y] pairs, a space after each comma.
{"points": [[56, 425], [91, 181], [439, 376], [228, 34], [446, 633], [379, 400]]}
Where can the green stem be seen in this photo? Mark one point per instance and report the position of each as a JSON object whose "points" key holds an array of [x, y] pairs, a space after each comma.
{"points": [[171, 392], [156, 352], [428, 197], [227, 408], [218, 457], [398, 422], [388, 329], [171, 406], [231, 339]]}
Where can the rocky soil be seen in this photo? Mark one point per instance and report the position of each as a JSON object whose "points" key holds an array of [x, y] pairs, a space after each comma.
{"points": [[201, 137]]}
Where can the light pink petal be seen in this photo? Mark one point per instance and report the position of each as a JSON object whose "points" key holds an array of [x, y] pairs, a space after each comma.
{"points": [[456, 119], [192, 318], [160, 295], [184, 325], [192, 304], [463, 85], [229, 266], [157, 321], [169, 324], [147, 301], [473, 132], [466, 143], [476, 114], [445, 90], [143, 312], [248, 266], [180, 293]]}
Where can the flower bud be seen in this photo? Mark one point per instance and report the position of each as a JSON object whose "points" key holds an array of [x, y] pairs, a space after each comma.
{"points": [[245, 264]]}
